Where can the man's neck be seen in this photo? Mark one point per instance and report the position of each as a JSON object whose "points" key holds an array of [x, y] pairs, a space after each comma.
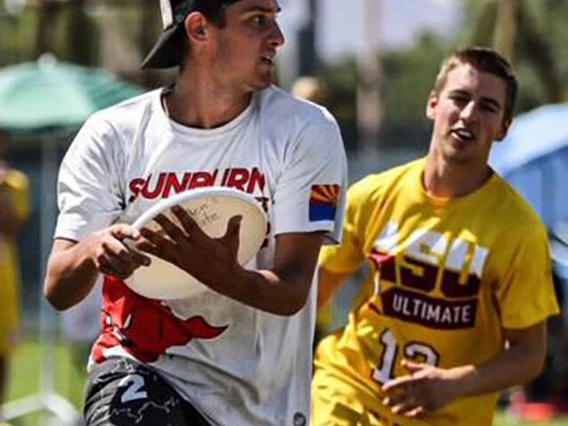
{"points": [[442, 179], [201, 103]]}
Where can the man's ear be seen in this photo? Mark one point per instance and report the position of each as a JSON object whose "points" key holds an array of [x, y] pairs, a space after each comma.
{"points": [[431, 105], [504, 129], [195, 27]]}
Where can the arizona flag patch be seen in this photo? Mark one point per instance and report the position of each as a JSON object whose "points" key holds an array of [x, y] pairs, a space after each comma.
{"points": [[323, 202]]}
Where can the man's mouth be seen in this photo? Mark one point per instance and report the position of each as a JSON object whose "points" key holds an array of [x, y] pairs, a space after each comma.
{"points": [[463, 134], [268, 59]]}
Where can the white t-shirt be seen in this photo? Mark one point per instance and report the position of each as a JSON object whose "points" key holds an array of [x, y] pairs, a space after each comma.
{"points": [[238, 365]]}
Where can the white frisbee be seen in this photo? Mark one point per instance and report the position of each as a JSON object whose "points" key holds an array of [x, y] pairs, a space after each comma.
{"points": [[211, 208]]}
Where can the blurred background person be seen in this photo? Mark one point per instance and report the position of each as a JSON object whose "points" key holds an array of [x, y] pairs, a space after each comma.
{"points": [[310, 88], [14, 210]]}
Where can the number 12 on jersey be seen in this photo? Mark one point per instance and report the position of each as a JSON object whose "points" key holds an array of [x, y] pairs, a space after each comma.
{"points": [[416, 351]]}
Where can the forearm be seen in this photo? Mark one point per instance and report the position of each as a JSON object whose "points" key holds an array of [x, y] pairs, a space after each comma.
{"points": [[514, 366], [71, 274], [269, 291]]}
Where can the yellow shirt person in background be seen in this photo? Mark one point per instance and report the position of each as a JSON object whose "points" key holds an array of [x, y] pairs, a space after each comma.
{"points": [[454, 307], [14, 210]]}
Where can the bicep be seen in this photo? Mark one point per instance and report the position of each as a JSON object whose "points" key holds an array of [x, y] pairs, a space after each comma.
{"points": [[60, 245]]}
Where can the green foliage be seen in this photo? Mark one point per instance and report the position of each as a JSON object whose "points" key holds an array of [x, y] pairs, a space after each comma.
{"points": [[541, 49], [341, 80], [540, 59], [408, 78]]}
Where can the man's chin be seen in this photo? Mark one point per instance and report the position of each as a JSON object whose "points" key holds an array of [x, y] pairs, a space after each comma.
{"points": [[457, 156]]}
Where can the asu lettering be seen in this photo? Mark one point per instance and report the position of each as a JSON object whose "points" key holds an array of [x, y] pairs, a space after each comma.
{"points": [[436, 277]]}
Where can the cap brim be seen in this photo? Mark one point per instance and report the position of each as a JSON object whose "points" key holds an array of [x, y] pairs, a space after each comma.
{"points": [[167, 52]]}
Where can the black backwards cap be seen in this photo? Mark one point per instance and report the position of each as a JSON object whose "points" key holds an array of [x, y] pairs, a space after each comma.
{"points": [[169, 49]]}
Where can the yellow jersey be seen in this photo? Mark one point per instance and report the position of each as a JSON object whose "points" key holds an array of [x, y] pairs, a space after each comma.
{"points": [[16, 189], [445, 278]]}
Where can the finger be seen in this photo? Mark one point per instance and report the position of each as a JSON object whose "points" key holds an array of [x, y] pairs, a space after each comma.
{"points": [[233, 230], [170, 228], [396, 397], [147, 246], [234, 225], [113, 266], [123, 230], [113, 273], [398, 383], [187, 222], [412, 367], [404, 407], [137, 256], [140, 258], [120, 250], [416, 412], [158, 242], [407, 410]]}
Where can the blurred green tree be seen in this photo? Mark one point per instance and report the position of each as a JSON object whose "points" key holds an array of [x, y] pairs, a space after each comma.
{"points": [[527, 33], [408, 78]]}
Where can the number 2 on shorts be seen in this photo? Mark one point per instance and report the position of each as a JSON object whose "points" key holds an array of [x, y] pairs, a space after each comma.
{"points": [[135, 388]]}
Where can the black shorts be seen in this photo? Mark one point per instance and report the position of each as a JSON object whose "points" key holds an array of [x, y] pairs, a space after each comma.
{"points": [[121, 392]]}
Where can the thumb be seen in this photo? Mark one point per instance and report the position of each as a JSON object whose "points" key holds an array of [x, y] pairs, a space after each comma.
{"points": [[233, 230], [234, 225]]}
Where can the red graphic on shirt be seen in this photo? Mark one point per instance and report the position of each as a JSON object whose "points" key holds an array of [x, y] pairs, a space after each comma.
{"points": [[143, 327]]}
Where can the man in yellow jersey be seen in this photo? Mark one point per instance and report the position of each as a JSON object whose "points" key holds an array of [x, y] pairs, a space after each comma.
{"points": [[14, 210], [454, 307]]}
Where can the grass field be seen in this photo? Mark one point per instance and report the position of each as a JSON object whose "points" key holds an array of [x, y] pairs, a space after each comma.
{"points": [[25, 378], [69, 381]]}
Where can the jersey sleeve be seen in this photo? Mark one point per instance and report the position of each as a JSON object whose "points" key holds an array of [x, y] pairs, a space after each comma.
{"points": [[348, 256], [310, 193], [89, 190], [526, 295]]}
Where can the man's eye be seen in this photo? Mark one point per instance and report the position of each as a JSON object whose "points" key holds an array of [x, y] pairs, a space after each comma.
{"points": [[260, 21], [459, 99], [489, 107]]}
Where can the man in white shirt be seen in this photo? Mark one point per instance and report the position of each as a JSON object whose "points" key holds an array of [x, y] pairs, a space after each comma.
{"points": [[238, 353]]}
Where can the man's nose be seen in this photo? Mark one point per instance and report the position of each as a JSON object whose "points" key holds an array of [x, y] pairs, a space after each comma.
{"points": [[277, 36], [470, 111]]}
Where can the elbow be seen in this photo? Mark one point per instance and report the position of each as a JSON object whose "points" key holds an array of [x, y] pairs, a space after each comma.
{"points": [[537, 365], [290, 307], [287, 311], [534, 365], [55, 302]]}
